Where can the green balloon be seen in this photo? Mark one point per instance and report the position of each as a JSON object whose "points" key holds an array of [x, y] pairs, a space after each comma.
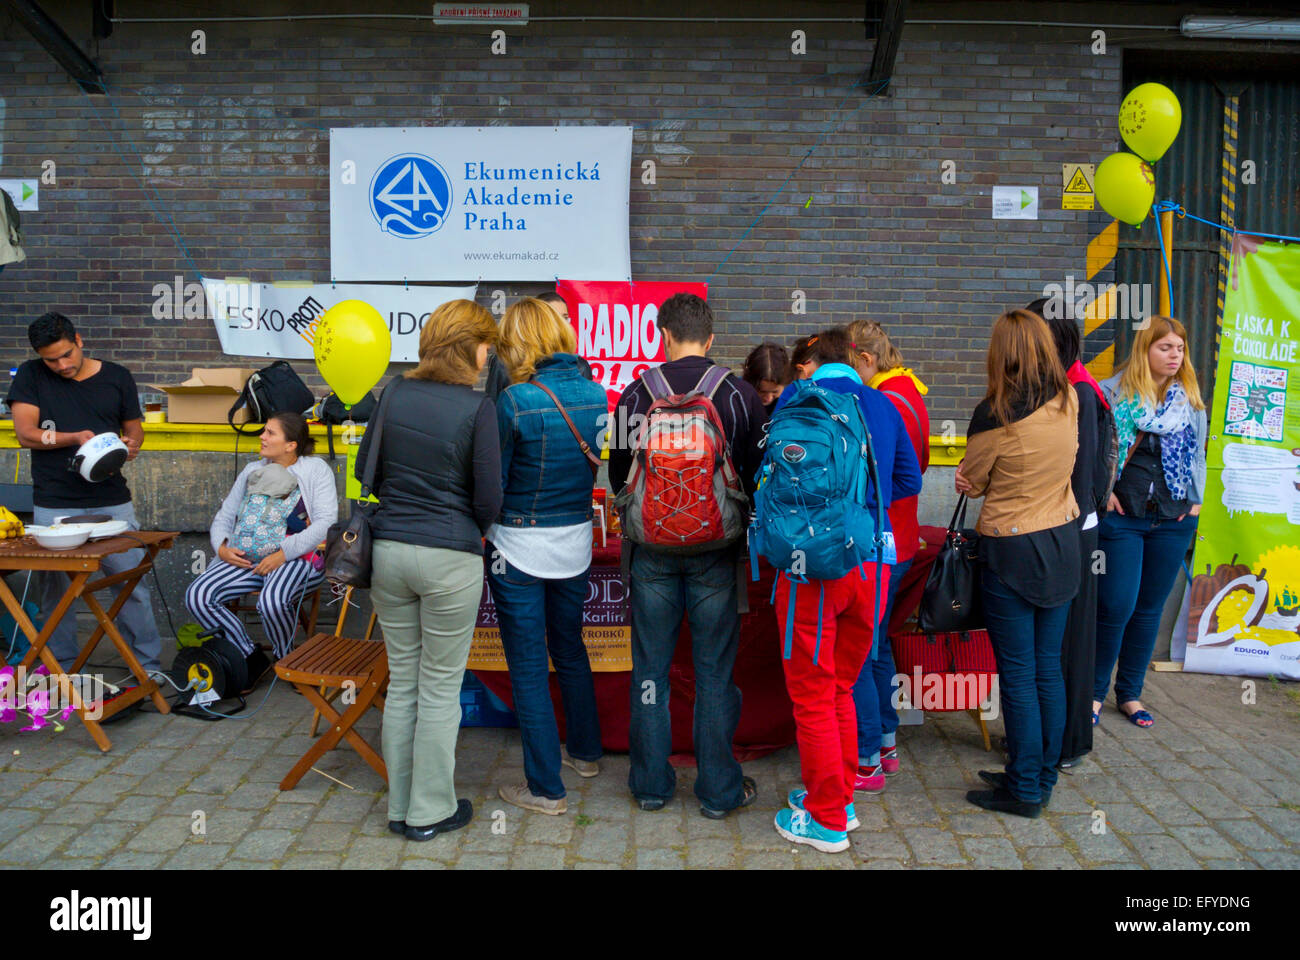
{"points": [[1126, 187], [1149, 120]]}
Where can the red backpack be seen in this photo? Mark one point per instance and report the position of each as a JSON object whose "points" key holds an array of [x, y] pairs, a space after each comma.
{"points": [[682, 495]]}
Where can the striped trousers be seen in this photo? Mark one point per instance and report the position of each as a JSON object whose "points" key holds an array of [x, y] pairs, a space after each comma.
{"points": [[277, 604]]}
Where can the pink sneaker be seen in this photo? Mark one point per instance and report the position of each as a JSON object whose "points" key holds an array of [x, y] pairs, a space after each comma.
{"points": [[869, 780], [889, 760]]}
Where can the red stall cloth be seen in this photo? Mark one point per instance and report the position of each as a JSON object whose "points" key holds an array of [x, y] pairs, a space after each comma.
{"points": [[766, 719]]}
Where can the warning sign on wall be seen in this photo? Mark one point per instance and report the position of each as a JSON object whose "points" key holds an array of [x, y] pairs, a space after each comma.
{"points": [[1076, 186]]}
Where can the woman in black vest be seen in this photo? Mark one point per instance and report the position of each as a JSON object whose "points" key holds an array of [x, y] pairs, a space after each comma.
{"points": [[438, 480]]}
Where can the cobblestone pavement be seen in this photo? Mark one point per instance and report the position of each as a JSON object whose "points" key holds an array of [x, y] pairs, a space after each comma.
{"points": [[1214, 784]]}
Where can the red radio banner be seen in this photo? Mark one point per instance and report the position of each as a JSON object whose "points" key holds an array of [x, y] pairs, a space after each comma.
{"points": [[617, 328]]}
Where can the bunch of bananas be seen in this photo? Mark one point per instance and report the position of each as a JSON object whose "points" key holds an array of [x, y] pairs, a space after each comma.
{"points": [[10, 526]]}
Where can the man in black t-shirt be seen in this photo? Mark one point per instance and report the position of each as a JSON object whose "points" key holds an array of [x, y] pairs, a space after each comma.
{"points": [[60, 401]]}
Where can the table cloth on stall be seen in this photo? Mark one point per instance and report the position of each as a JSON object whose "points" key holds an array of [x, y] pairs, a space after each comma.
{"points": [[766, 721]]}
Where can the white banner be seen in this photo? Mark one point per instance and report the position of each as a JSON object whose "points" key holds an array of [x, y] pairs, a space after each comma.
{"points": [[267, 320], [487, 203]]}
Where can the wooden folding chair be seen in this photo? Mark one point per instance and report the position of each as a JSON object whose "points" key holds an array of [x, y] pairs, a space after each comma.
{"points": [[325, 691], [335, 662]]}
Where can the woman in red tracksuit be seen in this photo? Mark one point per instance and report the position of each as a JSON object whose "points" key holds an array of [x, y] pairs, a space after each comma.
{"points": [[834, 621], [880, 365]]}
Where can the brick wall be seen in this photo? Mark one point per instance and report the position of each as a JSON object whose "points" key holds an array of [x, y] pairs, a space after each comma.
{"points": [[231, 147]]}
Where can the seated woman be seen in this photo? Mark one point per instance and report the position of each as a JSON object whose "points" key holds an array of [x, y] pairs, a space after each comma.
{"points": [[283, 574]]}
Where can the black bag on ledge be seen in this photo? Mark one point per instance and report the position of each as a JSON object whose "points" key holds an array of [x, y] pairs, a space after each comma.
{"points": [[269, 391], [332, 412], [951, 601]]}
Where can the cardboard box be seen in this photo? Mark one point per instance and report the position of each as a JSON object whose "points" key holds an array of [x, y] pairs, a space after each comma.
{"points": [[206, 397]]}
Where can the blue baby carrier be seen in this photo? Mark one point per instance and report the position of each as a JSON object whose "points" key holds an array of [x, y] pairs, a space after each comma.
{"points": [[810, 518]]}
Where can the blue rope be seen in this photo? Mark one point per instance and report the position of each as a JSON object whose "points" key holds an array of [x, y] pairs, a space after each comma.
{"points": [[1182, 212], [1156, 209]]}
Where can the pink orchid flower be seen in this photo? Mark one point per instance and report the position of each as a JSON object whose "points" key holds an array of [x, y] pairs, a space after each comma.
{"points": [[37, 706], [8, 695]]}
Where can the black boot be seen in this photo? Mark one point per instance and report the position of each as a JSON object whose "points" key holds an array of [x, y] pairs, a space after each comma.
{"points": [[464, 813], [999, 779], [1002, 800]]}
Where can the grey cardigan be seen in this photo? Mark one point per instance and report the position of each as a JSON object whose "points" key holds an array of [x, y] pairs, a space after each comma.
{"points": [[319, 494], [1196, 489]]}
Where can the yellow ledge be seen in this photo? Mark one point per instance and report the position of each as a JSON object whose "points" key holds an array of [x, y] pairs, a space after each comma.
{"points": [[220, 438], [212, 437]]}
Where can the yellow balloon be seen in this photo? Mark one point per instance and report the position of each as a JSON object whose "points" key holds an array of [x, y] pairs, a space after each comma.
{"points": [[352, 349], [1126, 187], [1149, 120]]}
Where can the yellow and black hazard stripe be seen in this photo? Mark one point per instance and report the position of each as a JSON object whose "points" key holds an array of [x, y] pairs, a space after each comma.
{"points": [[1099, 319], [1227, 214]]}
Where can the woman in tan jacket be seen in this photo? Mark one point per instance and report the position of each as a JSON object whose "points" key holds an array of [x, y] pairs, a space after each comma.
{"points": [[1019, 457]]}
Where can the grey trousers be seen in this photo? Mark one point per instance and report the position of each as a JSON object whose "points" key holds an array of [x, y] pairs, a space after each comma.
{"points": [[427, 601], [134, 621]]}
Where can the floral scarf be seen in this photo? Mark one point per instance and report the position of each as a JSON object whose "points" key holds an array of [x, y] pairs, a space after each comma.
{"points": [[1173, 422]]}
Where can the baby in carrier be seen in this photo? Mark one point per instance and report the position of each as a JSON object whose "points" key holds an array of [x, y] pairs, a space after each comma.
{"points": [[263, 520]]}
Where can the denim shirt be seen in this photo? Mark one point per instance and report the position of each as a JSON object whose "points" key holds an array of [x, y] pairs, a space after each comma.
{"points": [[547, 478]]}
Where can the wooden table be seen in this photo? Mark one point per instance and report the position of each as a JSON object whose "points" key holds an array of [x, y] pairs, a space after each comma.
{"points": [[80, 563]]}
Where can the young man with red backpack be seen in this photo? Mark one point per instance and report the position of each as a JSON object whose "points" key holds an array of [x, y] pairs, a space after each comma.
{"points": [[684, 449]]}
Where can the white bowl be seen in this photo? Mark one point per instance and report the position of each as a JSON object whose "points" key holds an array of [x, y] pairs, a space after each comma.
{"points": [[63, 536]]}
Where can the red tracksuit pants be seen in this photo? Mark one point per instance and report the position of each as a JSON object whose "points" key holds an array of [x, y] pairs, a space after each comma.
{"points": [[826, 722]]}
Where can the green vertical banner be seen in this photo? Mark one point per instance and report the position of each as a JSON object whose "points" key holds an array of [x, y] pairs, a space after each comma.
{"points": [[1244, 607]]}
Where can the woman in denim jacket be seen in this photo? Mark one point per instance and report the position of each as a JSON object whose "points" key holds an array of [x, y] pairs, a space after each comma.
{"points": [[539, 550]]}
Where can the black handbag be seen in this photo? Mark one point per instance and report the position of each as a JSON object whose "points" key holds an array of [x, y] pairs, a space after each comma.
{"points": [[348, 545], [269, 391], [951, 601]]}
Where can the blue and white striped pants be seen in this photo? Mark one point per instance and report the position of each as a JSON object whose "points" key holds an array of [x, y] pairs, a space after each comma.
{"points": [[277, 604]]}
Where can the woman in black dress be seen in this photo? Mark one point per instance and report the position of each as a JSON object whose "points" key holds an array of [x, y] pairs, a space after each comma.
{"points": [[1090, 483]]}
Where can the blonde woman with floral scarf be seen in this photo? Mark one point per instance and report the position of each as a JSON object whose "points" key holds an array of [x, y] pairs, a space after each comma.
{"points": [[1161, 422]]}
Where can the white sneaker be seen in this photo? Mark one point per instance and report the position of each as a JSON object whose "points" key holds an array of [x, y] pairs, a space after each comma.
{"points": [[521, 796]]}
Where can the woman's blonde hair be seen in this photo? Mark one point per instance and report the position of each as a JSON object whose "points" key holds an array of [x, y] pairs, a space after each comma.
{"points": [[450, 340], [1135, 375], [530, 331], [1023, 365], [867, 336]]}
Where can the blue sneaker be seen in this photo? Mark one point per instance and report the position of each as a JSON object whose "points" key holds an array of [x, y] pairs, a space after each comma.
{"points": [[796, 797], [798, 826]]}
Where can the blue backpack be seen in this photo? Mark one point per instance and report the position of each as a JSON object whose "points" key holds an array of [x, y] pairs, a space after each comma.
{"points": [[810, 518]]}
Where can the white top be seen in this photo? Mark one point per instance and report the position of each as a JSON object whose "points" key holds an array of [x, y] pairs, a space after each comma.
{"points": [[1090, 521], [552, 553], [319, 495]]}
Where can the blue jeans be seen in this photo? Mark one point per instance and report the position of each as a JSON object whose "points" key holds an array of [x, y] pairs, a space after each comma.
{"points": [[873, 694], [537, 616], [663, 587], [1027, 642], [1143, 555]]}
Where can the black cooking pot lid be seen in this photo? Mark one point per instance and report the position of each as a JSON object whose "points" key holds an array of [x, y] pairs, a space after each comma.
{"points": [[107, 465]]}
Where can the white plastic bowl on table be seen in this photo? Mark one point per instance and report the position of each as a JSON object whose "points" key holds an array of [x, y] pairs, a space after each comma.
{"points": [[63, 536]]}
